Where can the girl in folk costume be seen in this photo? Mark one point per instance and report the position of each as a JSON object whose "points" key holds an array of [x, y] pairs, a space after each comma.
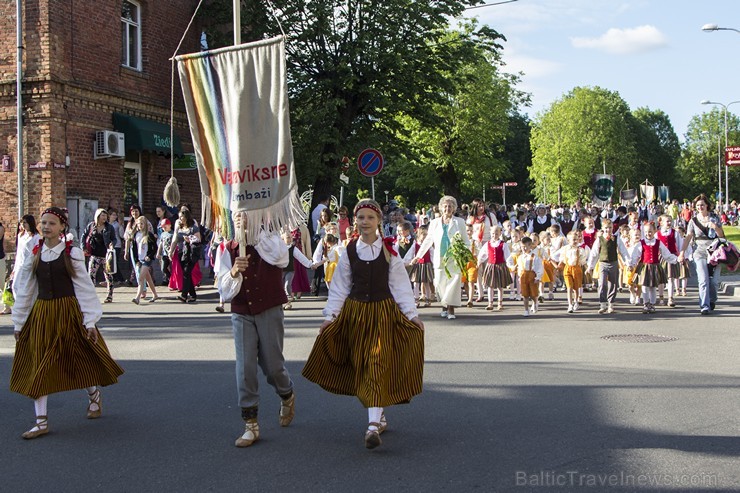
{"points": [[684, 269], [144, 252], [371, 344], [515, 248], [422, 272], [27, 233], [302, 241], [537, 251], [631, 279], [623, 232], [294, 254], [648, 253], [496, 274], [58, 347], [671, 239], [548, 277], [482, 222], [572, 259], [332, 252], [470, 274], [589, 237], [557, 241], [442, 231]]}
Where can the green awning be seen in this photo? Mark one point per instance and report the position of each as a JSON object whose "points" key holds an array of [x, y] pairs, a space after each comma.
{"points": [[146, 135]]}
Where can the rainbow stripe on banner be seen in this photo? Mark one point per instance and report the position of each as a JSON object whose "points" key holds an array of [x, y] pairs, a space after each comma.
{"points": [[237, 105]]}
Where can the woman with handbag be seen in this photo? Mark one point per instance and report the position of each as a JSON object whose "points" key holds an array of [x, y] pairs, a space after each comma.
{"points": [[702, 230], [98, 237], [58, 346]]}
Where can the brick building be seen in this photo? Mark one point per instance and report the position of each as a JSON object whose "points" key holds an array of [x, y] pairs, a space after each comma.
{"points": [[90, 67]]}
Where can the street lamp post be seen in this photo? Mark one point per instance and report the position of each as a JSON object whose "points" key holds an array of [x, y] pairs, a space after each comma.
{"points": [[710, 28], [719, 163], [727, 176]]}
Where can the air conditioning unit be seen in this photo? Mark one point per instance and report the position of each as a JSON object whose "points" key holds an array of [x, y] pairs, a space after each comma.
{"points": [[109, 144]]}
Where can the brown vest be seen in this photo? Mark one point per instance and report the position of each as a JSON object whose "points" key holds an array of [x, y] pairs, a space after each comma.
{"points": [[369, 277], [53, 279], [262, 285]]}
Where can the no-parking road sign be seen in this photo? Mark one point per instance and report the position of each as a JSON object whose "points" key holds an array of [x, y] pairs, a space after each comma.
{"points": [[370, 162]]}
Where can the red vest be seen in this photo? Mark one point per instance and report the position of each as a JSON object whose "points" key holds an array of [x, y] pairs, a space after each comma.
{"points": [[262, 285], [589, 238], [669, 241], [427, 258], [496, 254], [650, 254]]}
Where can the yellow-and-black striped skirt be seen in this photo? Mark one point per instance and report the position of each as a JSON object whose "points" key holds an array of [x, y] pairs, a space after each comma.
{"points": [[371, 351], [53, 353]]}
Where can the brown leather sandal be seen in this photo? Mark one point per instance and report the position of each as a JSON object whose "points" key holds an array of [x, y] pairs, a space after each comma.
{"points": [[40, 428], [372, 437], [96, 399]]}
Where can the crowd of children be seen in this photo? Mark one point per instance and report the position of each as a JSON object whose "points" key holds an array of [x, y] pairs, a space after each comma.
{"points": [[624, 255]]}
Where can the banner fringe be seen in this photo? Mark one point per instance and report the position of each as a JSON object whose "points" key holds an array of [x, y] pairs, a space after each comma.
{"points": [[285, 215]]}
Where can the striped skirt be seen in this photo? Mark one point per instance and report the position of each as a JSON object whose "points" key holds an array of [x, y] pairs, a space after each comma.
{"points": [[672, 271], [651, 275], [371, 351], [53, 353], [422, 272], [496, 276], [684, 269]]}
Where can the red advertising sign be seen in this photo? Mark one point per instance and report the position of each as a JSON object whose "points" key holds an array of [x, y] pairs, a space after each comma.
{"points": [[510, 184], [732, 156]]}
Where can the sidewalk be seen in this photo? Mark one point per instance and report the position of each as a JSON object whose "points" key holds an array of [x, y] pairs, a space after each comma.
{"points": [[729, 285]]}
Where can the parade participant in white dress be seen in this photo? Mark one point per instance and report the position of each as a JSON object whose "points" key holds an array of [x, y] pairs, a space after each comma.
{"points": [[442, 230]]}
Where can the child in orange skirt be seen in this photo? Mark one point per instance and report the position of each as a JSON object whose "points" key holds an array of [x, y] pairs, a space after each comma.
{"points": [[470, 274], [548, 277], [572, 260]]}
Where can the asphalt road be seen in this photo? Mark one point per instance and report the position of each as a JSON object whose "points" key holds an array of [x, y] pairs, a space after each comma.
{"points": [[509, 404]]}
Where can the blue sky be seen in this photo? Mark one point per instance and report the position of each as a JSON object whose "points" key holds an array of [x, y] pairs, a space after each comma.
{"points": [[652, 52]]}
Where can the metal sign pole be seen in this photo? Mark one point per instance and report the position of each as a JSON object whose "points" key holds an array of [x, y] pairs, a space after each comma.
{"points": [[372, 183], [503, 192]]}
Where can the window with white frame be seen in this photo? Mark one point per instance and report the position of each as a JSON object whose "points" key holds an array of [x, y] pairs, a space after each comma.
{"points": [[131, 35]]}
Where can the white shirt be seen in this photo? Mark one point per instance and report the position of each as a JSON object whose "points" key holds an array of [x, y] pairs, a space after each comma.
{"points": [[271, 248], [398, 281], [20, 252], [26, 286]]}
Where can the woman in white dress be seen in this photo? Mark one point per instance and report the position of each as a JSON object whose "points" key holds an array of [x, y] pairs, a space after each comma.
{"points": [[442, 230]]}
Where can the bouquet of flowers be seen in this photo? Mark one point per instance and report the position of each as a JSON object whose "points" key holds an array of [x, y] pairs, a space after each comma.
{"points": [[459, 253]]}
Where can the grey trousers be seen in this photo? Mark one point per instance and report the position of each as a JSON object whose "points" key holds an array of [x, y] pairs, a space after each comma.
{"points": [[608, 281], [258, 340]]}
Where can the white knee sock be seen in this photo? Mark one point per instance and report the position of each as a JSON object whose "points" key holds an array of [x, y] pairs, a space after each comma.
{"points": [[670, 288], [40, 405], [373, 416]]}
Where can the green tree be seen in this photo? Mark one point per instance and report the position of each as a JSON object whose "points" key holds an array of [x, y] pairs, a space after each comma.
{"points": [[580, 134], [657, 147], [702, 155], [353, 64], [457, 148]]}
